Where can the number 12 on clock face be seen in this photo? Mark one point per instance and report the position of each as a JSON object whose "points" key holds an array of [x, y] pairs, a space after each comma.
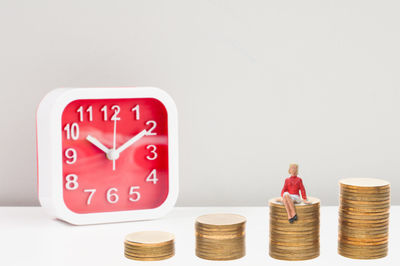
{"points": [[117, 156]]}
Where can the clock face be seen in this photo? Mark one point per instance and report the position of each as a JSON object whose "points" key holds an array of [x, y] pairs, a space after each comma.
{"points": [[114, 155]]}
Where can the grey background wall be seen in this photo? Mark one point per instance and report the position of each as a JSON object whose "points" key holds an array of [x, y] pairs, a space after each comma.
{"points": [[258, 84]]}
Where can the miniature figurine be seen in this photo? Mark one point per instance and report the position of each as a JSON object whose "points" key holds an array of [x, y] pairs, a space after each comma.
{"points": [[290, 192]]}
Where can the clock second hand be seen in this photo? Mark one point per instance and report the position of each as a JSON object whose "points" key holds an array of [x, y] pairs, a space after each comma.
{"points": [[113, 154], [114, 141]]}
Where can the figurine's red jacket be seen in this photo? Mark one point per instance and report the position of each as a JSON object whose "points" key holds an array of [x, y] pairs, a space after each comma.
{"points": [[293, 185]]}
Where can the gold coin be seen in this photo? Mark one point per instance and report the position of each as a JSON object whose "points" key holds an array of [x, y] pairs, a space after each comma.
{"points": [[220, 236], [149, 237], [297, 241], [363, 218], [149, 259], [139, 251], [364, 183], [149, 245]]}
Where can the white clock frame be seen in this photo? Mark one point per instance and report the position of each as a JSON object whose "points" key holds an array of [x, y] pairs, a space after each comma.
{"points": [[49, 153]]}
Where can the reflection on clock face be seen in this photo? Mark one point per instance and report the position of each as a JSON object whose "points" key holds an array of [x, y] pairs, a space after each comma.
{"points": [[115, 154]]}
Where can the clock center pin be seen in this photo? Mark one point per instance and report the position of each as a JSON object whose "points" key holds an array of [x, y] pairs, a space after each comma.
{"points": [[113, 155]]}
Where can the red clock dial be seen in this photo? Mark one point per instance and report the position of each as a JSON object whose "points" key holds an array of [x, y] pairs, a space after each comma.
{"points": [[115, 155]]}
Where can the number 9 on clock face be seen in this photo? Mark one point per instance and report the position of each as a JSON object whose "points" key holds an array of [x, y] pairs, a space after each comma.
{"points": [[107, 155]]}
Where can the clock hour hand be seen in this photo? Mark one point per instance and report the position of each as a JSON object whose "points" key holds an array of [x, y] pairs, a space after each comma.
{"points": [[131, 141], [98, 144]]}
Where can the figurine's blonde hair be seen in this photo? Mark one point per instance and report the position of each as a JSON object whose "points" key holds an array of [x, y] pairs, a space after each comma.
{"points": [[295, 165]]}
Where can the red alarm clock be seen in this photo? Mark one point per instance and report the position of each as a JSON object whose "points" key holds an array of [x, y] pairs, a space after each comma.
{"points": [[107, 154]]}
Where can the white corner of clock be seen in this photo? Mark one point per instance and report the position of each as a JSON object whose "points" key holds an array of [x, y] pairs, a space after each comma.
{"points": [[48, 100], [167, 205], [70, 217], [54, 210], [46, 204], [164, 97]]}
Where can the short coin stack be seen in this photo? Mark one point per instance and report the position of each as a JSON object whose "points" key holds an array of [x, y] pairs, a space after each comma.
{"points": [[364, 218], [149, 245], [297, 241], [220, 236]]}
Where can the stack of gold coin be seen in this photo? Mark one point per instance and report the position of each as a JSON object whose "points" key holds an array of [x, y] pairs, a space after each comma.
{"points": [[149, 245], [364, 218], [296, 241], [220, 236]]}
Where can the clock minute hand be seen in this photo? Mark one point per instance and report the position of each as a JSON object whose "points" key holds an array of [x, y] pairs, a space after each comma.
{"points": [[98, 144], [131, 141]]}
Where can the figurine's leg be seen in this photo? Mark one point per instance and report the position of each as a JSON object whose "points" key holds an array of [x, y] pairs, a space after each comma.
{"points": [[292, 209], [289, 205]]}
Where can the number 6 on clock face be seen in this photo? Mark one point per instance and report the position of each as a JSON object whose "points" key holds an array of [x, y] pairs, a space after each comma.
{"points": [[107, 154]]}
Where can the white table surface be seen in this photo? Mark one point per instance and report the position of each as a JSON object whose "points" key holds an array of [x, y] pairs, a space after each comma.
{"points": [[29, 237]]}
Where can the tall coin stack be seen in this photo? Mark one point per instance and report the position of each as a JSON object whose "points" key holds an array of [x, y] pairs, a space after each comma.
{"points": [[149, 245], [364, 218], [297, 241], [220, 236]]}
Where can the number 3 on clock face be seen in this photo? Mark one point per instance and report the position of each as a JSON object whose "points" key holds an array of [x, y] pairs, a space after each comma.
{"points": [[108, 154]]}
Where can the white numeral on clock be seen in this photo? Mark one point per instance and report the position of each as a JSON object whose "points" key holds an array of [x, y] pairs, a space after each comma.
{"points": [[112, 196], [152, 177], [91, 191], [104, 110], [150, 131], [71, 155], [72, 182], [80, 111], [72, 131], [136, 110], [133, 192], [114, 117], [116, 109], [88, 110], [153, 152]]}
